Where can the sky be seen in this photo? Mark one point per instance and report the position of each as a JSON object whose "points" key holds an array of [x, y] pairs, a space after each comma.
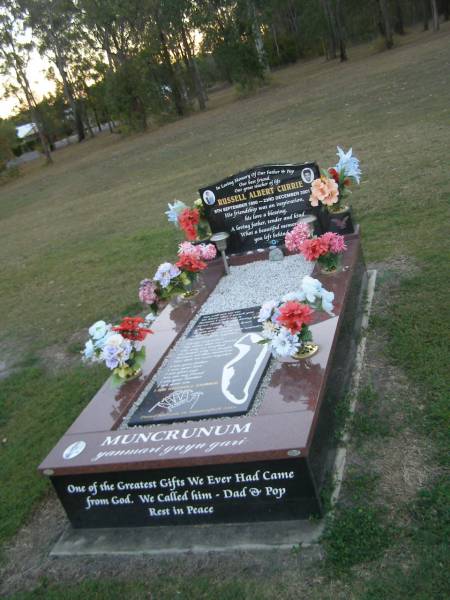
{"points": [[39, 84]]}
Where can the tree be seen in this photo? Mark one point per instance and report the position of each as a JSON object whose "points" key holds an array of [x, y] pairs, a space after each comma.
{"points": [[8, 140], [256, 31], [332, 12], [386, 23], [398, 24], [52, 22], [14, 59], [435, 15]]}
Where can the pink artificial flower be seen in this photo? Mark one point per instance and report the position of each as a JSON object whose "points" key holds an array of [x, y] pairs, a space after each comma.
{"points": [[324, 190], [336, 242], [295, 238], [314, 248], [207, 251], [188, 249]]}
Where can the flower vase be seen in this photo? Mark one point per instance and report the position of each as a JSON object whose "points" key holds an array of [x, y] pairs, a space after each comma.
{"points": [[203, 232], [134, 374], [189, 293], [307, 350], [124, 375], [338, 220], [192, 289], [329, 264]]}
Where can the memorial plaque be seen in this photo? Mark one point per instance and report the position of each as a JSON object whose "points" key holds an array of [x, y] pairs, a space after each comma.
{"points": [[214, 371], [258, 491], [259, 206]]}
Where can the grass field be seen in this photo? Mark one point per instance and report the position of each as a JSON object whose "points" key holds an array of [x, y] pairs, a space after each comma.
{"points": [[76, 238]]}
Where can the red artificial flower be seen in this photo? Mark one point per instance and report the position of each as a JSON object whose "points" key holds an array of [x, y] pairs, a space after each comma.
{"points": [[347, 182], [334, 174], [188, 220], [190, 263], [131, 329], [313, 248], [293, 315]]}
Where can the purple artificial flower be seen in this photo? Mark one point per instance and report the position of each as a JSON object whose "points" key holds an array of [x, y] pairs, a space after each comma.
{"points": [[147, 292], [165, 273]]}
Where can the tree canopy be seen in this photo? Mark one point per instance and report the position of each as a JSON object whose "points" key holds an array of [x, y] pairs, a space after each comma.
{"points": [[133, 62]]}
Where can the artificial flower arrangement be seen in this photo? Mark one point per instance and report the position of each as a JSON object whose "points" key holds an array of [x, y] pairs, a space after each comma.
{"points": [[191, 220], [172, 279], [325, 248], [286, 322], [333, 187], [119, 347]]}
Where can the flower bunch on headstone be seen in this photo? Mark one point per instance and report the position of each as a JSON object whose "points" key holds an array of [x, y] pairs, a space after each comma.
{"points": [[118, 347], [333, 186], [325, 248], [191, 221], [286, 321]]}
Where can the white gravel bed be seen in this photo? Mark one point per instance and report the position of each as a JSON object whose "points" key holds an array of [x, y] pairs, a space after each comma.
{"points": [[246, 286]]}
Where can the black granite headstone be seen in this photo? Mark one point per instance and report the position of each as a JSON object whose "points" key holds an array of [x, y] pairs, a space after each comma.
{"points": [[215, 370], [259, 206], [255, 491]]}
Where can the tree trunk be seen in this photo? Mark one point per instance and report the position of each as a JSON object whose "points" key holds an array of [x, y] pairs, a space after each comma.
{"points": [[332, 37], [446, 9], [292, 16], [97, 120], [275, 40], [386, 24], [426, 14], [34, 111], [435, 15], [59, 61], [340, 31], [256, 31], [398, 25], [24, 84], [42, 137], [176, 94], [193, 68]]}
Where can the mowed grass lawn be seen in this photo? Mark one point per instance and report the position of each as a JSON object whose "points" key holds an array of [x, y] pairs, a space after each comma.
{"points": [[76, 238]]}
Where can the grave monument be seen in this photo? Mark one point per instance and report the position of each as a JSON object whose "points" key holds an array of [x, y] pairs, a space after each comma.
{"points": [[215, 429]]}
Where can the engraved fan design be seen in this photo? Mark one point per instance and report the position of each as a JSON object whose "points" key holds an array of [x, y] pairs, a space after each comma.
{"points": [[176, 399]]}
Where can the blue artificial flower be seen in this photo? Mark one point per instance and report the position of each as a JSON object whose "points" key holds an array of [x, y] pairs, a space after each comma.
{"points": [[89, 350], [99, 329], [348, 164], [174, 211]]}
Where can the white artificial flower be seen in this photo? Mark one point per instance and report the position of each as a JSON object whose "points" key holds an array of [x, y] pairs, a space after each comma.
{"points": [[285, 343], [98, 330], [150, 318], [269, 330], [266, 310], [115, 339], [311, 288], [327, 301], [297, 296]]}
